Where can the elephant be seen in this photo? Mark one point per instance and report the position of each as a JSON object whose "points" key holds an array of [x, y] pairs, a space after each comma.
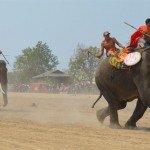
{"points": [[3, 81], [119, 86]]}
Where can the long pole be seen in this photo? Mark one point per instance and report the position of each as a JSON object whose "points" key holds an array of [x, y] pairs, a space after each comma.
{"points": [[136, 29], [5, 58], [130, 25]]}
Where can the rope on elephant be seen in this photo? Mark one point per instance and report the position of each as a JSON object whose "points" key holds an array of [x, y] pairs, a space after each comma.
{"points": [[117, 61]]}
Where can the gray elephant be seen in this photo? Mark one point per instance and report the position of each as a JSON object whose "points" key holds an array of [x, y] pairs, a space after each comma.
{"points": [[3, 81], [121, 86]]}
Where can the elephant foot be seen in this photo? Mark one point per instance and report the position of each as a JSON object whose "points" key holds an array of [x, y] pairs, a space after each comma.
{"points": [[131, 126], [115, 126], [100, 116]]}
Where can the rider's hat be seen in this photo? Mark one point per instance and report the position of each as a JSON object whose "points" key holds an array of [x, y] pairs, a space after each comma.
{"points": [[106, 33]]}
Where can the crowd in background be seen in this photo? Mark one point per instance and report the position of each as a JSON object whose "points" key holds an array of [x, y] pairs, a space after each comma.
{"points": [[75, 88]]}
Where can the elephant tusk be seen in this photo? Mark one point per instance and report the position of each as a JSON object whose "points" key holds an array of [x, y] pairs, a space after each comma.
{"points": [[1, 89]]}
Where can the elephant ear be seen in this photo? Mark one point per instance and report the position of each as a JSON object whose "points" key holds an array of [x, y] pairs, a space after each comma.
{"points": [[3, 65], [132, 58]]}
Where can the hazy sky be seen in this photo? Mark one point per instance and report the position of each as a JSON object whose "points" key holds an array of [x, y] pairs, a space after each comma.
{"points": [[62, 24]]}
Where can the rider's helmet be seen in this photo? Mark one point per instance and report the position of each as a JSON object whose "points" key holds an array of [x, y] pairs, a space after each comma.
{"points": [[147, 21]]}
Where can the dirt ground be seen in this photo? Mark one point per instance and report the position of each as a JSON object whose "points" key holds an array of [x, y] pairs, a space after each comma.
{"points": [[66, 122]]}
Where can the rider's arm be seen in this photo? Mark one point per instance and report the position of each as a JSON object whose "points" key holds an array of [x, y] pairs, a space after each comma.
{"points": [[119, 44], [101, 51]]}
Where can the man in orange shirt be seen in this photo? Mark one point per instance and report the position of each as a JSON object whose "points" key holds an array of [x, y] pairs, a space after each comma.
{"points": [[142, 32], [109, 44]]}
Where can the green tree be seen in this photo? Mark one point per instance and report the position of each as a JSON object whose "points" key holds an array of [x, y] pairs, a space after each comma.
{"points": [[82, 67], [11, 77], [34, 61]]}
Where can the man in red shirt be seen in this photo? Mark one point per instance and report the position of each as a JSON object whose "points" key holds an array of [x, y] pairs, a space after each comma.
{"points": [[142, 32]]}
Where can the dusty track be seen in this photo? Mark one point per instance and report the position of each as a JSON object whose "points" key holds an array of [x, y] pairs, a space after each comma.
{"points": [[66, 122]]}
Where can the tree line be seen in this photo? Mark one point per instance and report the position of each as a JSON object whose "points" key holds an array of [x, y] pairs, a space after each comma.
{"points": [[40, 58]]}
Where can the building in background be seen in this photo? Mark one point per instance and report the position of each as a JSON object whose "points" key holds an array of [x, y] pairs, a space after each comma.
{"points": [[50, 81]]}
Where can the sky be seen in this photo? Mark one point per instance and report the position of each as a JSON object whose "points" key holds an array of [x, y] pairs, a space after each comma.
{"points": [[62, 24]]}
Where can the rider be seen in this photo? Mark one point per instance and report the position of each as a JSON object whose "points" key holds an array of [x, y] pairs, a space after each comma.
{"points": [[109, 44], [143, 32]]}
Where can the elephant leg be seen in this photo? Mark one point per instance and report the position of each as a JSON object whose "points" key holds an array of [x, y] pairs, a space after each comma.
{"points": [[104, 112], [137, 114], [114, 121], [114, 107]]}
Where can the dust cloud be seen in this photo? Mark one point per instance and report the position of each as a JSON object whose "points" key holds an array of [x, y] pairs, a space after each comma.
{"points": [[66, 121]]}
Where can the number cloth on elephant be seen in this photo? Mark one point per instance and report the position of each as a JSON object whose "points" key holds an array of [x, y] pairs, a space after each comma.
{"points": [[118, 60], [132, 58]]}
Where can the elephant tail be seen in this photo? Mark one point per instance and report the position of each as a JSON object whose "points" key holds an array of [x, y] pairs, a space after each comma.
{"points": [[97, 100]]}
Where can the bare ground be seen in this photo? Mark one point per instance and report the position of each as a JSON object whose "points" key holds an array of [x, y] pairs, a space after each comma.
{"points": [[66, 122]]}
